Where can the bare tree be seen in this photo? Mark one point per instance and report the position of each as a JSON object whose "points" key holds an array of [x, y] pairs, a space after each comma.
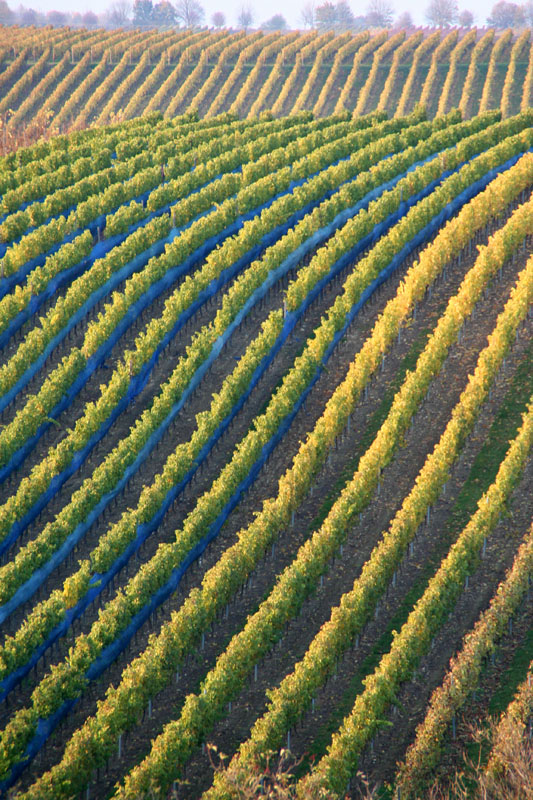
{"points": [[379, 13], [190, 12], [245, 17], [307, 14], [218, 19], [442, 13], [335, 16], [120, 13]]}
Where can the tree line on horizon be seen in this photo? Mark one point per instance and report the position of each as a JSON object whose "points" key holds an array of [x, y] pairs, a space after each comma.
{"points": [[328, 15]]}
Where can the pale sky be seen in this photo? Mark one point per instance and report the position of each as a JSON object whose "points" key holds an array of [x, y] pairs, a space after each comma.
{"points": [[290, 9]]}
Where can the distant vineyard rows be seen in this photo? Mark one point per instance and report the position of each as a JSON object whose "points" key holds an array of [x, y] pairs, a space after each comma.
{"points": [[73, 78]]}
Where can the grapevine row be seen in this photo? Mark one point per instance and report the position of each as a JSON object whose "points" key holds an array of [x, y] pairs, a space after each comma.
{"points": [[510, 90], [310, 84], [365, 50], [240, 465], [380, 55], [487, 98], [245, 49], [457, 56], [395, 74], [324, 101], [294, 78], [292, 47], [439, 54], [196, 77], [151, 93], [479, 53], [298, 235], [202, 230], [163, 198]]}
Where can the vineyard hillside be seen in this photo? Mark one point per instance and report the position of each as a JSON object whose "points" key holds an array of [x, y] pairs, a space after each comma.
{"points": [[266, 435]]}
